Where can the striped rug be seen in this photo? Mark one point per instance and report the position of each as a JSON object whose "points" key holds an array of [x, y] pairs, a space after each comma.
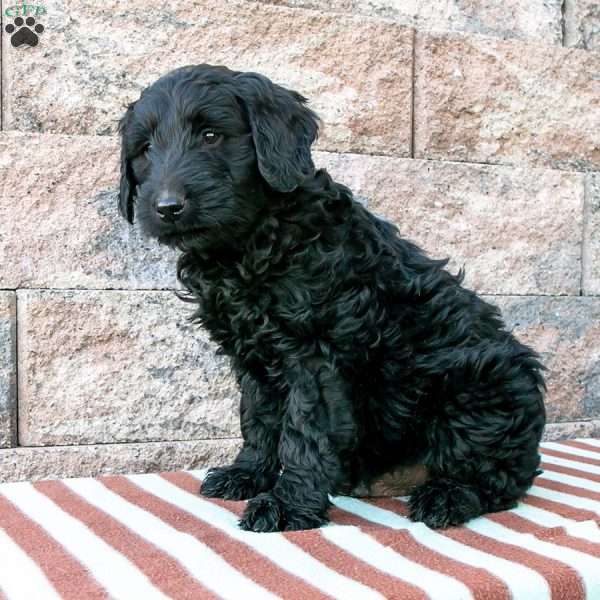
{"points": [[145, 537]]}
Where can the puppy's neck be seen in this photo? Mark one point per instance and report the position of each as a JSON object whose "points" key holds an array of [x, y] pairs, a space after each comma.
{"points": [[283, 225]]}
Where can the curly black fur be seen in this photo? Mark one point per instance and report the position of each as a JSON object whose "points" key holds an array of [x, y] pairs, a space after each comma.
{"points": [[355, 352]]}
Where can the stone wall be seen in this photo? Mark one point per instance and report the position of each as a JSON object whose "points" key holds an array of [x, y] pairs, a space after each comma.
{"points": [[474, 125]]}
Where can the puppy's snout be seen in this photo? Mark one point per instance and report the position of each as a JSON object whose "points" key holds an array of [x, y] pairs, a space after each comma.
{"points": [[169, 208]]}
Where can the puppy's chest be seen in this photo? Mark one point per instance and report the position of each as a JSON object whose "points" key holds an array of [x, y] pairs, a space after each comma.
{"points": [[248, 318]]}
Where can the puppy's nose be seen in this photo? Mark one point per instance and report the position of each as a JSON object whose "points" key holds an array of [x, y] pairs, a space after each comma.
{"points": [[170, 208]]}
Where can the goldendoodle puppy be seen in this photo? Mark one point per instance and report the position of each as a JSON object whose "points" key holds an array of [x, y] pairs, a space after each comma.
{"points": [[364, 366]]}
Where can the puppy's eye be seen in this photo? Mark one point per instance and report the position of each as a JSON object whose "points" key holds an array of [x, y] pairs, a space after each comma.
{"points": [[147, 148], [210, 137]]}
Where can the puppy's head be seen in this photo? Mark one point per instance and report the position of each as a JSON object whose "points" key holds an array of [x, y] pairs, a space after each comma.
{"points": [[202, 144]]}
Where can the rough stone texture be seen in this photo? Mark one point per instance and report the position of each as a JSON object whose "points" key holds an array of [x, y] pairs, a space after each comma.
{"points": [[571, 430], [532, 20], [582, 24], [8, 366], [69, 233], [22, 464], [516, 231], [565, 331], [484, 100], [95, 58], [103, 367], [591, 235]]}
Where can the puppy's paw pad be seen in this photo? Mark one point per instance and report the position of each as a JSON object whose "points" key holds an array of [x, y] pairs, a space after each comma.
{"points": [[443, 503], [263, 514], [229, 483]]}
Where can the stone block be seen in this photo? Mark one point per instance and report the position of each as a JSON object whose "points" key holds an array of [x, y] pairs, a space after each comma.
{"points": [[93, 59], [565, 331], [31, 464], [485, 100], [8, 370], [538, 20], [571, 430], [591, 235], [114, 366]]}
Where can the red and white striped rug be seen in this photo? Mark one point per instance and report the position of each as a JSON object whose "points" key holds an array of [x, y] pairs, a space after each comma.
{"points": [[144, 537]]}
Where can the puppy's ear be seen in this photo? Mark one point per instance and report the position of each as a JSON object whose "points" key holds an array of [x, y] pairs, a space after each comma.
{"points": [[283, 130], [127, 183]]}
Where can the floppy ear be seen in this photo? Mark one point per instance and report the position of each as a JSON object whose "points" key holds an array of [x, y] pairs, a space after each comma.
{"points": [[283, 130], [127, 183]]}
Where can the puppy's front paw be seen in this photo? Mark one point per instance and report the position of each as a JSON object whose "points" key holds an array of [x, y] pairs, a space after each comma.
{"points": [[297, 520], [444, 502], [267, 513], [229, 483], [263, 514]]}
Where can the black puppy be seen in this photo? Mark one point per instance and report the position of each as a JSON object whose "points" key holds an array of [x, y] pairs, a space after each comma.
{"points": [[363, 364]]}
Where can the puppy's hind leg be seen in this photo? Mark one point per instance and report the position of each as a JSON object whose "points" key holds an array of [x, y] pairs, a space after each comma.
{"points": [[256, 467], [465, 488], [483, 453]]}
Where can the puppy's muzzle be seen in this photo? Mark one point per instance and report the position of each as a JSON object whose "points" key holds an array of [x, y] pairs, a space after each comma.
{"points": [[170, 208]]}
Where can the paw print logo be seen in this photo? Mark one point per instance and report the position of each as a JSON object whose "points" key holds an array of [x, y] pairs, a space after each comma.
{"points": [[24, 34]]}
